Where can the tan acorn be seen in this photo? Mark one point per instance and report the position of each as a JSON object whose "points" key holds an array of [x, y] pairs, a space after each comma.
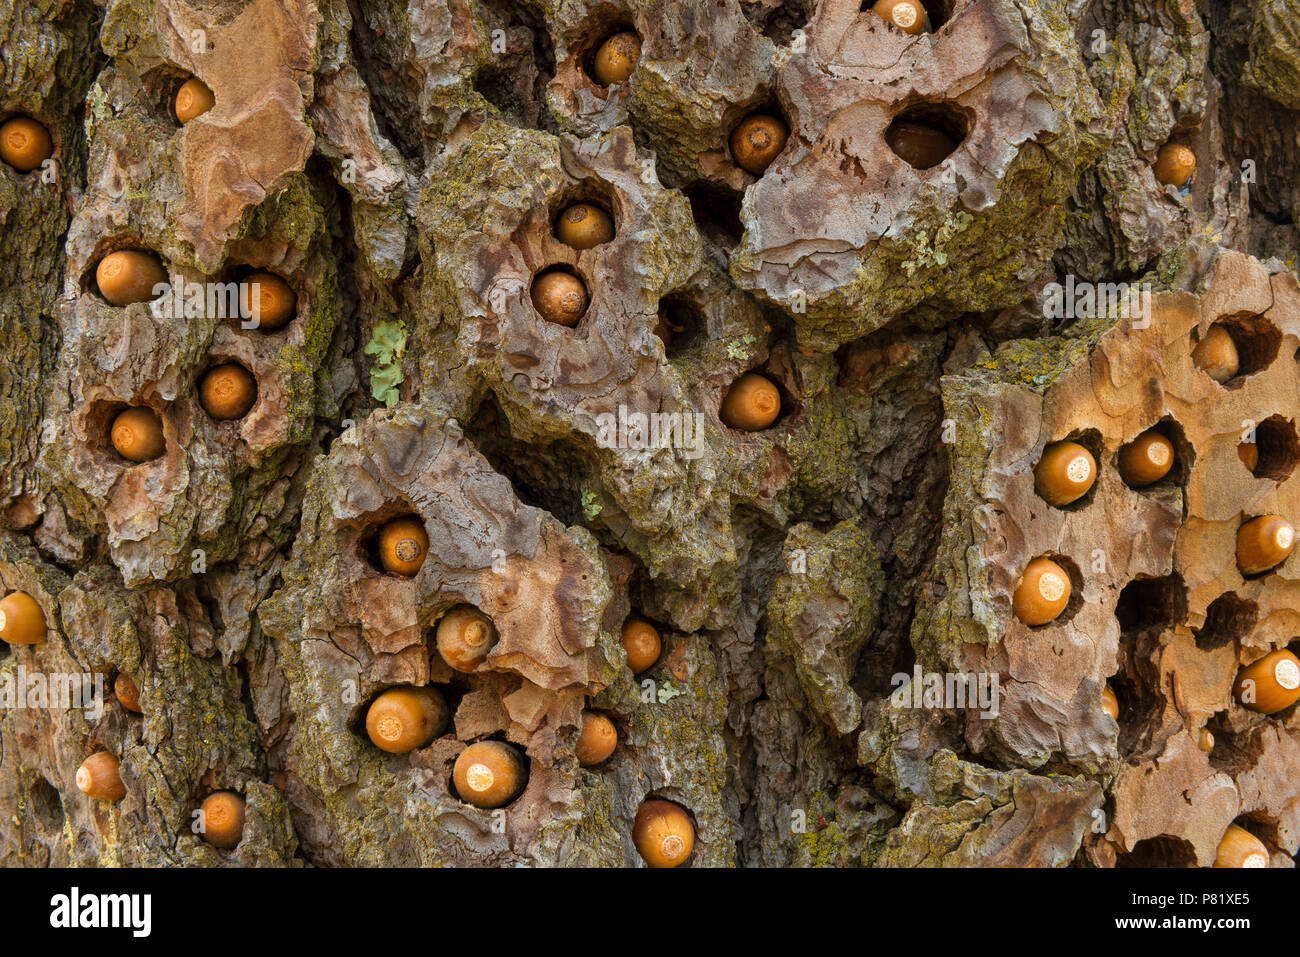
{"points": [[1216, 355], [642, 644], [908, 15], [598, 739], [22, 620], [757, 140], [129, 276], [1264, 542], [464, 637], [616, 58], [193, 99], [227, 391], [1175, 165], [751, 404], [1064, 473], [559, 297], [403, 546], [584, 226], [489, 774], [1205, 740], [1146, 459], [403, 719], [1042, 592], [137, 434], [1270, 684], [1109, 703], [24, 143], [1240, 848], [267, 299], [128, 695], [99, 777], [663, 833], [223, 819], [918, 145]]}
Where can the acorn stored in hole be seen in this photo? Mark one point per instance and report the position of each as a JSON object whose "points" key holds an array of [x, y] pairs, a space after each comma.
{"points": [[403, 545], [489, 774], [193, 99], [1065, 473], [1264, 542], [22, 620], [1146, 459], [406, 718], [616, 58], [598, 739], [757, 140], [99, 777], [137, 434], [908, 15], [1042, 592], [464, 637], [583, 226], [1205, 741], [1216, 354], [641, 642], [751, 404], [128, 276], [1175, 165], [1270, 684], [228, 391], [24, 143], [1109, 703], [1248, 452], [919, 145], [559, 297], [128, 695], [267, 299], [1240, 848], [223, 819], [663, 833]]}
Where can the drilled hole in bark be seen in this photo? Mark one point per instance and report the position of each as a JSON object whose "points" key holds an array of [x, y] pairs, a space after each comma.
{"points": [[778, 23], [717, 214], [589, 192], [367, 539], [224, 398], [45, 804], [1275, 451], [1228, 619], [596, 38], [680, 324], [527, 772], [555, 303], [1163, 851], [1091, 440], [1075, 601], [926, 134], [1184, 458], [1257, 341], [88, 282], [100, 416], [1151, 604]]}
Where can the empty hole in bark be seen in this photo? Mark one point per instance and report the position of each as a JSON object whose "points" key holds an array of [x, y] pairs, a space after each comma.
{"points": [[939, 11], [1163, 851], [596, 37], [1135, 687], [680, 324], [717, 214], [926, 134], [502, 88], [1257, 341], [1229, 618], [45, 804], [1151, 604], [568, 270], [367, 539], [1276, 449], [778, 23], [1184, 457]]}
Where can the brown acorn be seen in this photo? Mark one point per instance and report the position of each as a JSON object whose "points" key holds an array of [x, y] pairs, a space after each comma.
{"points": [[1240, 848], [1042, 592], [128, 276], [908, 15], [223, 819], [1205, 741], [464, 637], [559, 297], [22, 620], [99, 777], [489, 774], [1109, 703], [757, 140], [128, 695], [24, 143], [598, 739], [403, 719], [275, 303], [137, 434], [642, 644], [663, 833], [1065, 473], [1216, 355], [1248, 452], [616, 58], [193, 99], [918, 145], [751, 404], [403, 545], [1146, 459], [1270, 684], [1175, 165], [583, 226], [1264, 542], [228, 391]]}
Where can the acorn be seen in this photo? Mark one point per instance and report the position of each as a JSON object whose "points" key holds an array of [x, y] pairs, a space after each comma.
{"points": [[403, 545], [128, 276], [464, 637], [1146, 459], [583, 226], [752, 403], [1263, 543], [1240, 848], [559, 297], [193, 99], [1042, 592], [228, 391], [918, 145], [1216, 354], [757, 140], [1109, 703], [403, 719], [908, 15], [1064, 473], [1205, 741], [1274, 683], [641, 642], [276, 302], [489, 774], [598, 739], [137, 434], [1248, 452], [1175, 165], [24, 143], [99, 778], [663, 833], [616, 58], [128, 695], [223, 819], [22, 620]]}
